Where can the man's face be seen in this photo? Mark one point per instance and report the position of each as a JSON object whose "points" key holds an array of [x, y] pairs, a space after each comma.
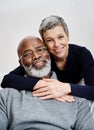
{"points": [[35, 58]]}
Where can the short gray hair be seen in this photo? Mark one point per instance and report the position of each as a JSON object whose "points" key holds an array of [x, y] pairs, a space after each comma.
{"points": [[51, 22]]}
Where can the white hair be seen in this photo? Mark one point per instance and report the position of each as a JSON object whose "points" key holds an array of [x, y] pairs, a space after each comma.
{"points": [[39, 73]]}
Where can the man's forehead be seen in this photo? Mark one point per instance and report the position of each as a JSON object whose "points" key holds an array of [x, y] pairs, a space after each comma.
{"points": [[28, 43], [35, 43]]}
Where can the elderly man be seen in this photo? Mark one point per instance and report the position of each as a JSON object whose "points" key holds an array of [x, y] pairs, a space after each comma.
{"points": [[20, 110]]}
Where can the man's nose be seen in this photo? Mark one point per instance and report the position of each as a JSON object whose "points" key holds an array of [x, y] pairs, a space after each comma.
{"points": [[35, 55]]}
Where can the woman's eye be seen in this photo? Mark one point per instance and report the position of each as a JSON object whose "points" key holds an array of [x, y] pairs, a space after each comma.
{"points": [[49, 41], [61, 37]]}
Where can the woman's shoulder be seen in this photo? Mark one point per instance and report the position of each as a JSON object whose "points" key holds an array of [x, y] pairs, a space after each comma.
{"points": [[78, 49]]}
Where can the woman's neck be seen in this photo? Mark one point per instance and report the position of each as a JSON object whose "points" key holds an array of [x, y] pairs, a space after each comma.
{"points": [[61, 63]]}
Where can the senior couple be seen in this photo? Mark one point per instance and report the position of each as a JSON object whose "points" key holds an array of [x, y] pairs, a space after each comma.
{"points": [[21, 110]]}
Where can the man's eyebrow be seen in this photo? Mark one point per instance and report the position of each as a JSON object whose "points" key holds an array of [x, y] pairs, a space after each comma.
{"points": [[28, 50], [33, 48], [40, 46]]}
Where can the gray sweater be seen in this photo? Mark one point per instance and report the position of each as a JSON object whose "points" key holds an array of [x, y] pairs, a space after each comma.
{"points": [[22, 111]]}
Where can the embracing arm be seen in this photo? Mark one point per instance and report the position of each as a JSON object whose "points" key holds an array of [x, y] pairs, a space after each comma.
{"points": [[87, 65], [15, 79], [83, 91], [53, 89]]}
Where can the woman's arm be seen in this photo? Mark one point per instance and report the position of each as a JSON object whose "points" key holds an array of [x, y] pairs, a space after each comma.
{"points": [[86, 62], [15, 79], [83, 91], [53, 89]]}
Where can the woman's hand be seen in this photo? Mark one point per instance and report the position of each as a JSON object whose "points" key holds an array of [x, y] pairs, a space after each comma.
{"points": [[66, 98], [51, 88]]}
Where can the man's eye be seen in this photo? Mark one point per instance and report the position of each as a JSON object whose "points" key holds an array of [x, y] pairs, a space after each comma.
{"points": [[27, 54], [40, 49]]}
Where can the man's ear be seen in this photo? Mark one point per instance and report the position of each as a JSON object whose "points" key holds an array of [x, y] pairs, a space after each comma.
{"points": [[20, 63]]}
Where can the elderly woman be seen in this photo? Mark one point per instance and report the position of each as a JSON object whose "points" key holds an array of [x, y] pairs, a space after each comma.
{"points": [[70, 62]]}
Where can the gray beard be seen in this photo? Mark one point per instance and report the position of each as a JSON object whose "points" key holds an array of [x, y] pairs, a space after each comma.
{"points": [[39, 73]]}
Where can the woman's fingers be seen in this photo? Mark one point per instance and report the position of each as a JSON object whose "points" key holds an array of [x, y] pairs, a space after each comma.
{"points": [[40, 84], [40, 90], [51, 88], [66, 98], [43, 94], [46, 97]]}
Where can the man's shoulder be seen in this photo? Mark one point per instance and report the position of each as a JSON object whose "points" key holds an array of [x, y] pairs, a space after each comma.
{"points": [[6, 92], [53, 75], [82, 101]]}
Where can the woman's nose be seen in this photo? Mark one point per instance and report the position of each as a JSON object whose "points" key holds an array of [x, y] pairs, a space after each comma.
{"points": [[56, 43]]}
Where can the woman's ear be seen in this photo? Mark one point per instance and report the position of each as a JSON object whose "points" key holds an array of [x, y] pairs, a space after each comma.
{"points": [[68, 36]]}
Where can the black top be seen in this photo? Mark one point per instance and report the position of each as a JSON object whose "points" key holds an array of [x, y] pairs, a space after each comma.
{"points": [[80, 64]]}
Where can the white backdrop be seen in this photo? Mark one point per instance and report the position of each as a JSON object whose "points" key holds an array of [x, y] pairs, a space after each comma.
{"points": [[19, 18]]}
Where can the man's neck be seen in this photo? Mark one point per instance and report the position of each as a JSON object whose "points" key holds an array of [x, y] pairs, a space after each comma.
{"points": [[47, 76]]}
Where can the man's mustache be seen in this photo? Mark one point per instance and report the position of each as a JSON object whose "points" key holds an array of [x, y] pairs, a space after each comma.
{"points": [[39, 60]]}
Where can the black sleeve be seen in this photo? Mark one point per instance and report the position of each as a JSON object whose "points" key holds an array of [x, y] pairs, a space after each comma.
{"points": [[83, 91], [87, 65], [15, 79]]}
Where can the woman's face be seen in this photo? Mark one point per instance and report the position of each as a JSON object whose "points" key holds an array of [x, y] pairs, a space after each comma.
{"points": [[57, 42]]}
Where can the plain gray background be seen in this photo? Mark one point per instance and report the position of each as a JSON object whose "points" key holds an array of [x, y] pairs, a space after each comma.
{"points": [[19, 18]]}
